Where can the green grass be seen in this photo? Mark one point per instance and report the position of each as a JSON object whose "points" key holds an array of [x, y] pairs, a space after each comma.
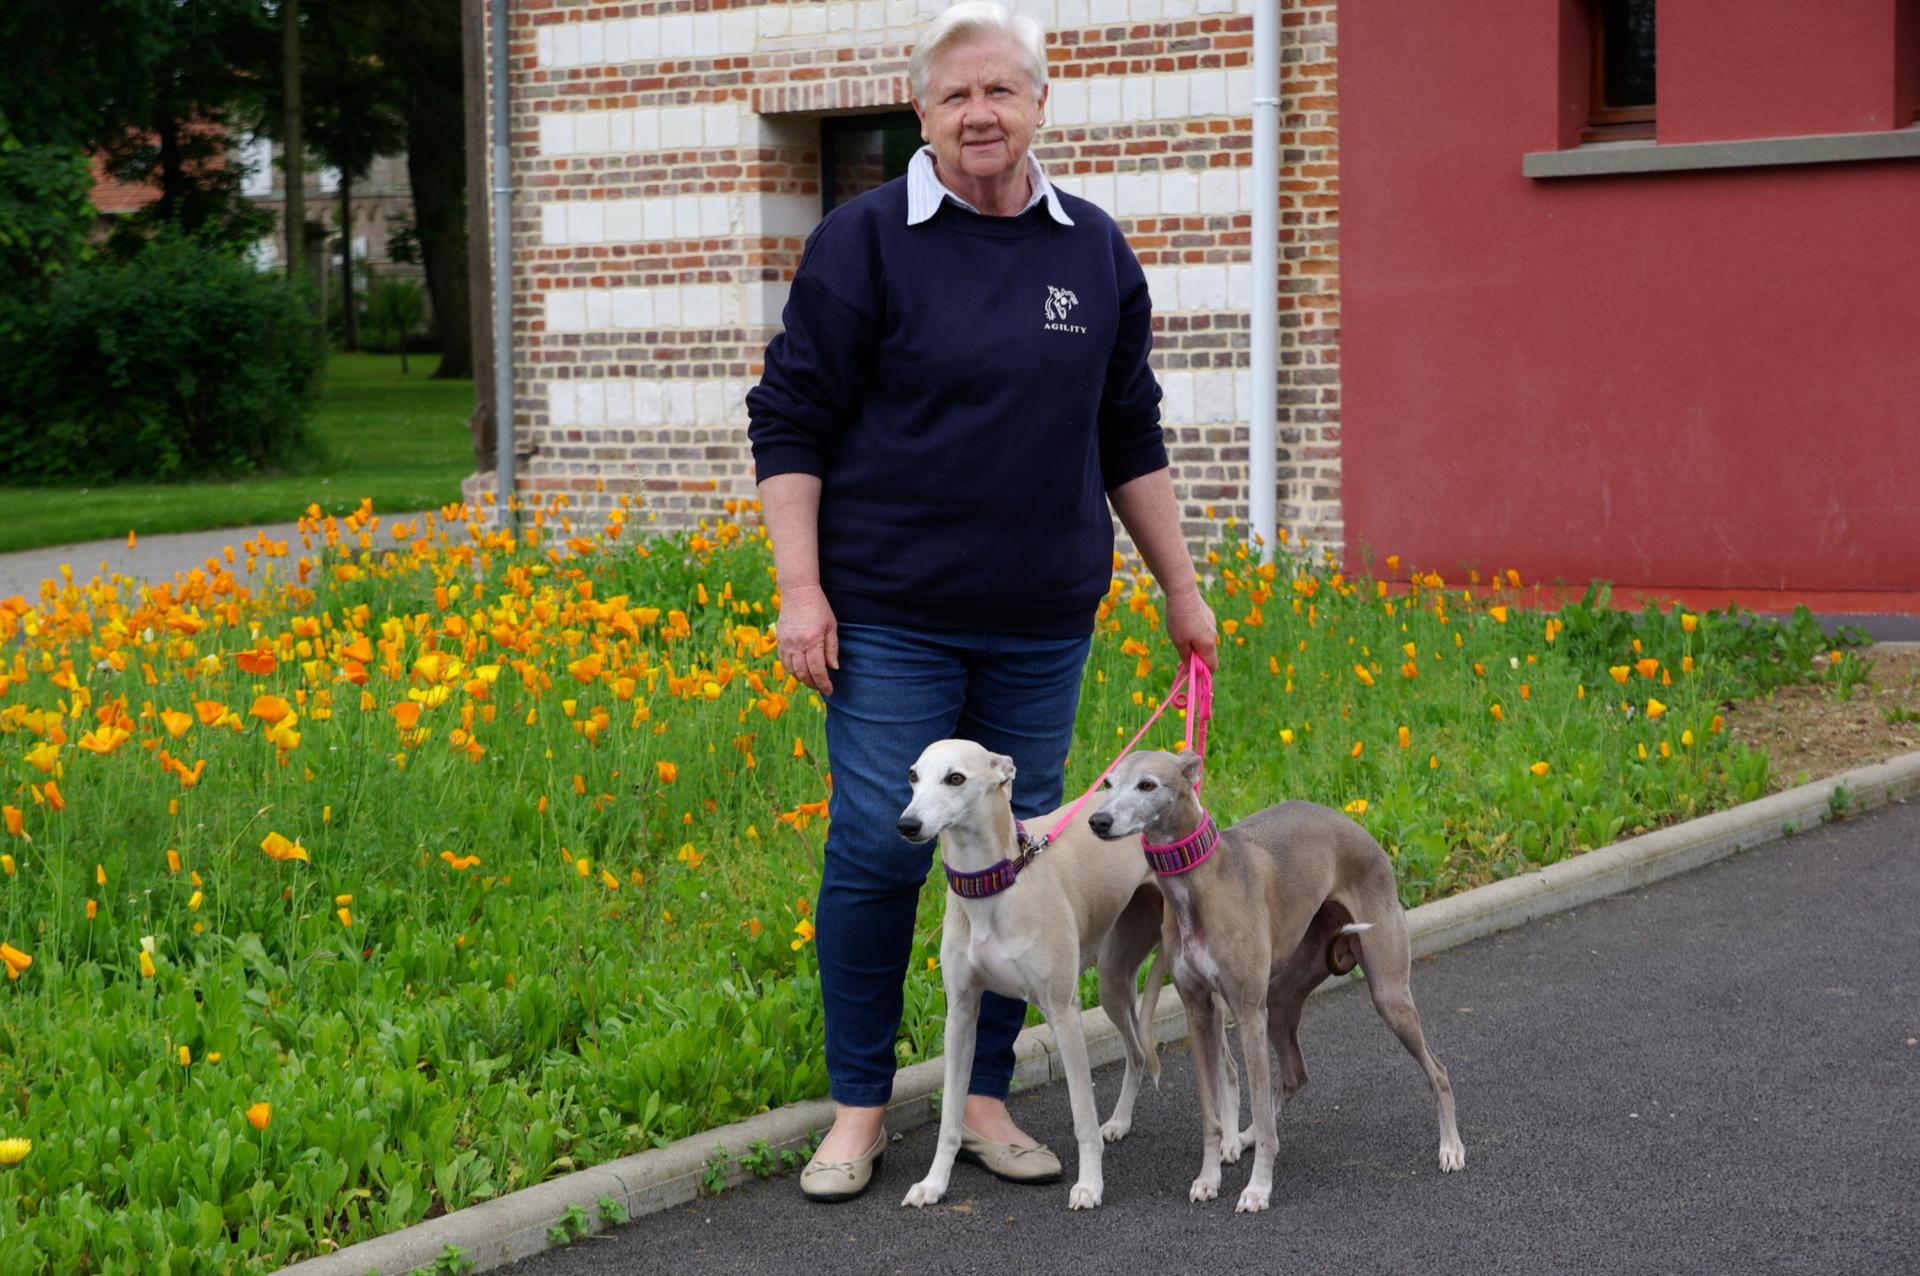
{"points": [[561, 820], [401, 440]]}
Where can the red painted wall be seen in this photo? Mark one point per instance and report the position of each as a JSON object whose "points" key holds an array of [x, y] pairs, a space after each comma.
{"points": [[1693, 379]]}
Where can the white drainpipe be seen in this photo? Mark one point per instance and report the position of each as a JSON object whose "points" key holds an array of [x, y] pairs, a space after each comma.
{"points": [[1262, 477], [502, 269]]}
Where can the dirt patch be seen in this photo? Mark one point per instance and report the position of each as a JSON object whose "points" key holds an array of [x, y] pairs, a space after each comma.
{"points": [[1809, 732]]}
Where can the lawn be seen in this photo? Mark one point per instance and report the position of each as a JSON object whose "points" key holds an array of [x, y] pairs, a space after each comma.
{"points": [[400, 440], [453, 862]]}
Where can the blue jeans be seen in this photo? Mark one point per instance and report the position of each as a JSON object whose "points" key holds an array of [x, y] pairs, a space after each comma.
{"points": [[897, 691]]}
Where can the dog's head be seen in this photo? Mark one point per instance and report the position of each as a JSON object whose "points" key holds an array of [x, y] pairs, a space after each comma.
{"points": [[952, 779], [1144, 787]]}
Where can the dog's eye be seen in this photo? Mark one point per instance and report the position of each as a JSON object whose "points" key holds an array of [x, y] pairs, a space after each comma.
{"points": [[956, 779], [913, 776], [1147, 786], [1106, 784]]}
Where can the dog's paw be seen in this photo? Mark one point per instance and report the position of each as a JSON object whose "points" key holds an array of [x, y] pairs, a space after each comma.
{"points": [[925, 1192], [1115, 1130], [1205, 1188], [1233, 1143], [1084, 1196], [1253, 1200], [1453, 1156]]}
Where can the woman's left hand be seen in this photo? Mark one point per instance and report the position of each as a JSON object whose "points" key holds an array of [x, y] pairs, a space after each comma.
{"points": [[1191, 629]]}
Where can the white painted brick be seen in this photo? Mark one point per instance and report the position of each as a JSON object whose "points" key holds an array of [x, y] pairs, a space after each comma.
{"points": [[1170, 9], [599, 310], [1103, 106], [659, 218], [553, 223], [902, 14], [543, 46], [1067, 102], [1170, 97], [1207, 93], [1139, 194], [841, 15], [1203, 287], [1145, 10], [624, 225], [592, 400], [1176, 398], [590, 132], [1240, 92], [686, 218], [1212, 396], [1073, 14], [1179, 192], [619, 402], [709, 403], [1137, 97], [872, 16], [619, 131], [566, 45], [593, 42], [556, 135], [715, 218], [706, 35], [807, 19], [1107, 12], [647, 403], [1163, 285], [566, 310], [631, 308], [586, 221], [1245, 183], [1101, 191], [779, 214], [722, 125], [733, 305], [646, 130], [1216, 6], [619, 42], [739, 31], [1239, 287], [676, 35], [1243, 396], [560, 403], [773, 21], [644, 37], [666, 307], [700, 306], [680, 128], [1219, 191], [765, 302], [679, 403]]}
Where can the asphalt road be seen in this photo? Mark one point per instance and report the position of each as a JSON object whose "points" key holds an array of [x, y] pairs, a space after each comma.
{"points": [[1717, 1074]]}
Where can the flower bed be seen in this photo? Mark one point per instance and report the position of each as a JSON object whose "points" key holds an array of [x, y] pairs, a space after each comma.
{"points": [[442, 862]]}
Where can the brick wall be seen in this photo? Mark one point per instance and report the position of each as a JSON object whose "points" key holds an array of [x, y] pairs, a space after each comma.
{"points": [[666, 160]]}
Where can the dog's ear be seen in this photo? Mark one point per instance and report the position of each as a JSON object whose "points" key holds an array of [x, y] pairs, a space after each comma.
{"points": [[1191, 764], [1003, 769]]}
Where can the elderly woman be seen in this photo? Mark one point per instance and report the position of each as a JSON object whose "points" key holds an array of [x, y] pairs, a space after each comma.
{"points": [[961, 387]]}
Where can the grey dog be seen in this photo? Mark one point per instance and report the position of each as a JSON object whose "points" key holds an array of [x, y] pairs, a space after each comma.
{"points": [[1292, 894]]}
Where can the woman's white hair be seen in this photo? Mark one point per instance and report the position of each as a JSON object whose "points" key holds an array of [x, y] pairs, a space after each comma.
{"points": [[971, 20]]}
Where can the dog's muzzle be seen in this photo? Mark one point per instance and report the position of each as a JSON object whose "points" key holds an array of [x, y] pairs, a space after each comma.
{"points": [[909, 827]]}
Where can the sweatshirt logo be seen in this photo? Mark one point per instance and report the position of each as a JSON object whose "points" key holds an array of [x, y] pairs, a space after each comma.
{"points": [[1059, 302]]}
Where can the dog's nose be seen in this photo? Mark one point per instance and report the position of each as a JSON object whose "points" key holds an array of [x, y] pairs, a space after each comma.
{"points": [[909, 826], [1100, 822]]}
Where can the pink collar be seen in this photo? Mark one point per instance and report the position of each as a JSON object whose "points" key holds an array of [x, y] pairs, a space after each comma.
{"points": [[1189, 852]]}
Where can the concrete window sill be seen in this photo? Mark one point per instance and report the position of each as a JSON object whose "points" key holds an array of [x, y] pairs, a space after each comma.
{"points": [[1602, 158]]}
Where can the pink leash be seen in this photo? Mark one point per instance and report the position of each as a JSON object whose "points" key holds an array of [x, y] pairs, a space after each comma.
{"points": [[1192, 691]]}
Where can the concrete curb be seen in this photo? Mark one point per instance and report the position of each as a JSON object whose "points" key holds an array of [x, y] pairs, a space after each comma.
{"points": [[514, 1226]]}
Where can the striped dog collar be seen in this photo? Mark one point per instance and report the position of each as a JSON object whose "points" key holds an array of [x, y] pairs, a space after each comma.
{"points": [[991, 881], [1189, 852]]}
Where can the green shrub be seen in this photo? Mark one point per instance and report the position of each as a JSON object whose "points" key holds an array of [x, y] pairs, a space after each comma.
{"points": [[181, 361]]}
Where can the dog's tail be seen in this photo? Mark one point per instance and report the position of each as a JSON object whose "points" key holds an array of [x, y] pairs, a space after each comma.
{"points": [[1156, 976]]}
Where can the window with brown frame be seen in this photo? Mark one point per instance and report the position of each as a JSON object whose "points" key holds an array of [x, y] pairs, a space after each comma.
{"points": [[1620, 106]]}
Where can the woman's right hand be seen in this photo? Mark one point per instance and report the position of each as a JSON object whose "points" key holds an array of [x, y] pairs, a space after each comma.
{"points": [[809, 637]]}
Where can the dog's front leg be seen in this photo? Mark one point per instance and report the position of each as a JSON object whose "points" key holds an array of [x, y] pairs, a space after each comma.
{"points": [[1063, 1012], [963, 1021], [1255, 1049], [1206, 1029]]}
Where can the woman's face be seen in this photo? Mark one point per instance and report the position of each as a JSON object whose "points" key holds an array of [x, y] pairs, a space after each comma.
{"points": [[980, 111]]}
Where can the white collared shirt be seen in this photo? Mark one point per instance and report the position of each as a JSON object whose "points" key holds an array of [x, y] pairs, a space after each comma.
{"points": [[925, 190]]}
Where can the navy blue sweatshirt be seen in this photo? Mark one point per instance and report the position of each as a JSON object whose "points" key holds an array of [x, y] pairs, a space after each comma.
{"points": [[968, 390]]}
